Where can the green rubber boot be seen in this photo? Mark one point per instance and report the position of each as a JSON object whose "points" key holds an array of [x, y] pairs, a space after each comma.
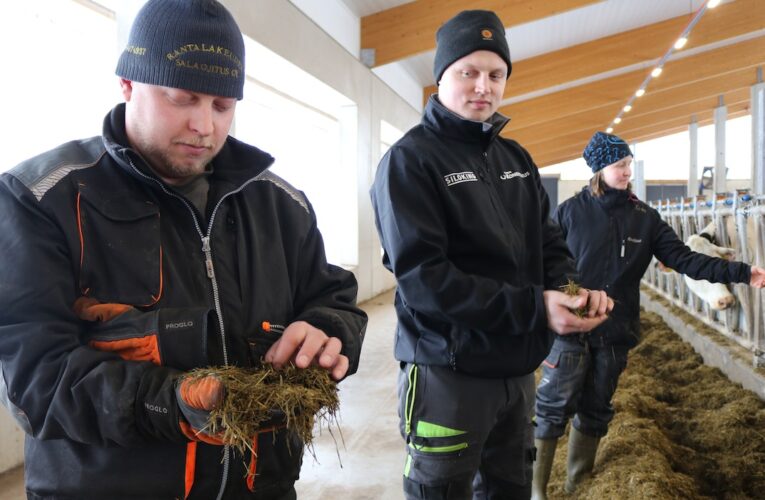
{"points": [[581, 457], [542, 467]]}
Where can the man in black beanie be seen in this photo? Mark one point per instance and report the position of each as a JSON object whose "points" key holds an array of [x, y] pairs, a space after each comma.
{"points": [[161, 246], [464, 222]]}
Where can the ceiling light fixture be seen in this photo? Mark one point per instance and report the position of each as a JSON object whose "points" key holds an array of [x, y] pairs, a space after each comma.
{"points": [[679, 44]]}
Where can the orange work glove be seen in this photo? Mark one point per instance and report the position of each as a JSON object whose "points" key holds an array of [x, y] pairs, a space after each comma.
{"points": [[197, 397], [90, 309], [131, 348]]}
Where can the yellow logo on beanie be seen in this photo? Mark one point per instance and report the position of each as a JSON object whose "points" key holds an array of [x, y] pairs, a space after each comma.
{"points": [[486, 34], [190, 48], [138, 51], [202, 47]]}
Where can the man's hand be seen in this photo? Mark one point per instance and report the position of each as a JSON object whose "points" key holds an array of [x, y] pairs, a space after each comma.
{"points": [[304, 344], [598, 303], [197, 397], [563, 321], [758, 277]]}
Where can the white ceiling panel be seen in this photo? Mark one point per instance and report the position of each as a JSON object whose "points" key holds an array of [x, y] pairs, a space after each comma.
{"points": [[366, 7]]}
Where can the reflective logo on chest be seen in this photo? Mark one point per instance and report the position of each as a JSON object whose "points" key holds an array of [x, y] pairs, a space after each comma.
{"points": [[459, 178], [510, 175]]}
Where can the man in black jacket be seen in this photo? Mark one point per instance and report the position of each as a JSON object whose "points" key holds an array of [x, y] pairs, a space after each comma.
{"points": [[464, 222], [161, 246]]}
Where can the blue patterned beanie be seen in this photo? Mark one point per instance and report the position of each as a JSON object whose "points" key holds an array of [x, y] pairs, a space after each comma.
{"points": [[603, 150]]}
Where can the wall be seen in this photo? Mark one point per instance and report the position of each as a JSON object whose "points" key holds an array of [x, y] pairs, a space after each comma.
{"points": [[310, 48]]}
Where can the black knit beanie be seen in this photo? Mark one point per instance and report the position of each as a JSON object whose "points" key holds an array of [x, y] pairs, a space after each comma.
{"points": [[187, 44], [468, 31], [603, 150]]}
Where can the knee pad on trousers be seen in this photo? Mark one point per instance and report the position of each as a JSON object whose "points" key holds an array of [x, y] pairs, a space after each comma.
{"points": [[489, 487], [458, 489]]}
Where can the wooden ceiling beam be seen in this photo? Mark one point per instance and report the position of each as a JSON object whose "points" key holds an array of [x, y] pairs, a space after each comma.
{"points": [[738, 101], [668, 120], [650, 104], [570, 147], [615, 91], [686, 110], [409, 29], [573, 153], [734, 111], [627, 48]]}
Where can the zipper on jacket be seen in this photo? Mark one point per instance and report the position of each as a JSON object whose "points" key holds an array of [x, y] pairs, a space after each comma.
{"points": [[622, 252], [208, 257], [210, 270], [494, 195], [485, 156], [207, 249]]}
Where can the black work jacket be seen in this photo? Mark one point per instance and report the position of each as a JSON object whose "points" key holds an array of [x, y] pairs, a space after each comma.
{"points": [[464, 222], [89, 218], [613, 238]]}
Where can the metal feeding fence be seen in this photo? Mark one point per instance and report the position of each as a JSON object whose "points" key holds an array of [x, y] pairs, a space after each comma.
{"points": [[739, 223]]}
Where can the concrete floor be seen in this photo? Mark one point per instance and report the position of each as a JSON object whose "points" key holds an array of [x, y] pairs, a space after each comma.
{"points": [[367, 463], [372, 458], [12, 484]]}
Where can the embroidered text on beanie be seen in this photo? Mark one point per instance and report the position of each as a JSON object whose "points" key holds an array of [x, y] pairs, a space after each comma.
{"points": [[188, 44]]}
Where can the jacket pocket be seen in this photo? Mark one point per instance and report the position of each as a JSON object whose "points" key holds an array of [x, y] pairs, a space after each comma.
{"points": [[120, 248], [553, 358], [279, 459], [169, 337], [261, 340]]}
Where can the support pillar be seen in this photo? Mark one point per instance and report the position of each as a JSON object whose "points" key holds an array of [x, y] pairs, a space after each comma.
{"points": [[693, 165], [758, 135], [721, 116], [638, 179]]}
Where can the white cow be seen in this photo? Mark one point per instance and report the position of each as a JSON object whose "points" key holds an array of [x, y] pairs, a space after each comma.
{"points": [[717, 295]]}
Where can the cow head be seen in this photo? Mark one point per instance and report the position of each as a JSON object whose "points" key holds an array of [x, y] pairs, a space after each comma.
{"points": [[716, 295]]}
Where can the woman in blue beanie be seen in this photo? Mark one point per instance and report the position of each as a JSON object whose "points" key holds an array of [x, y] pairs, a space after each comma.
{"points": [[613, 236]]}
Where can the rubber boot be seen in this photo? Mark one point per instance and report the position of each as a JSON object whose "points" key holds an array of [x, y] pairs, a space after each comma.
{"points": [[542, 467], [581, 457]]}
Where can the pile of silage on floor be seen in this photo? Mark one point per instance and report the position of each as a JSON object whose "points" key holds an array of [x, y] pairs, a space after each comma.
{"points": [[682, 430]]}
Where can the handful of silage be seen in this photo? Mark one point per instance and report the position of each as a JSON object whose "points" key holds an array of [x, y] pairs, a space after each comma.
{"points": [[256, 397], [572, 289]]}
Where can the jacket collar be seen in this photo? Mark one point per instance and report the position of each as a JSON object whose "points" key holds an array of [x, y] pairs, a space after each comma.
{"points": [[236, 163], [612, 198], [443, 121]]}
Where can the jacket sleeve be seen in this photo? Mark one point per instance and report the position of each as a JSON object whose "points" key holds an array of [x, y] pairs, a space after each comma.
{"points": [[558, 262], [51, 381], [672, 252], [326, 297], [559, 217], [413, 231]]}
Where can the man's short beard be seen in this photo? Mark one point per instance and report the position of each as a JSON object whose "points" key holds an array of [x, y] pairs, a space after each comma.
{"points": [[161, 163]]}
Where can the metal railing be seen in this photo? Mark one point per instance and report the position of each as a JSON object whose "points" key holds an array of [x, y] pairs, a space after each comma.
{"points": [[740, 223]]}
